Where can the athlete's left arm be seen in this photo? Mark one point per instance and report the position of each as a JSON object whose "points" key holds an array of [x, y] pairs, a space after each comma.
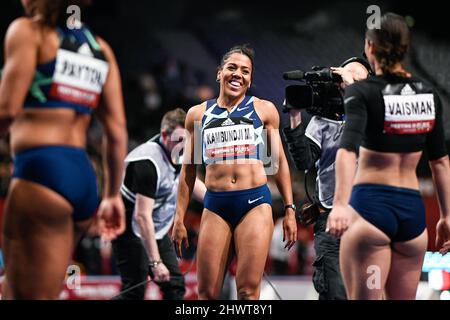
{"points": [[21, 45], [199, 190], [440, 169], [282, 175], [112, 116]]}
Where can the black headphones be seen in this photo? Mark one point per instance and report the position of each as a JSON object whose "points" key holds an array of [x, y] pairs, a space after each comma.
{"points": [[359, 60]]}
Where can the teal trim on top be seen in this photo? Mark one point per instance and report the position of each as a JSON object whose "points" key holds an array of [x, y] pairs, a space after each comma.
{"points": [[35, 88], [92, 41]]}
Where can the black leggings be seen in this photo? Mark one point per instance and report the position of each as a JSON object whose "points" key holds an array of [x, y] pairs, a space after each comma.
{"points": [[133, 266]]}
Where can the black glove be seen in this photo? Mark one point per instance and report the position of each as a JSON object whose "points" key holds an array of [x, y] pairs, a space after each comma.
{"points": [[299, 147], [309, 213]]}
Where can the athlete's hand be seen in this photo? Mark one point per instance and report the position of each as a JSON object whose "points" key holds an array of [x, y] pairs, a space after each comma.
{"points": [[338, 220], [161, 273], [443, 235], [289, 228], [347, 76], [179, 236], [111, 217]]}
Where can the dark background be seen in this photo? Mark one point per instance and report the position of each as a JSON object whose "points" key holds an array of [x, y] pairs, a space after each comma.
{"points": [[168, 52]]}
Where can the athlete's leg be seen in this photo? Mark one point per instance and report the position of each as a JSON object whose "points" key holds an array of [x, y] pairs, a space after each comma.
{"points": [[406, 267], [365, 257], [252, 239], [38, 236], [213, 251]]}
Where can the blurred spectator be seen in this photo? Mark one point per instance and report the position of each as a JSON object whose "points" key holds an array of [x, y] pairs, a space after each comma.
{"points": [[94, 256], [152, 98], [278, 254], [204, 93], [303, 244], [87, 252]]}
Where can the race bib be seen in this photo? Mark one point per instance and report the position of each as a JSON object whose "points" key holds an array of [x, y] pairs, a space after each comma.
{"points": [[408, 112], [78, 78], [229, 138]]}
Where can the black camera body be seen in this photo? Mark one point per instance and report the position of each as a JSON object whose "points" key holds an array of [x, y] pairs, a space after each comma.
{"points": [[319, 94]]}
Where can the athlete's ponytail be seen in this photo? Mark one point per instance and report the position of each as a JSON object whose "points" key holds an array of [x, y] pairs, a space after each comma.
{"points": [[391, 41], [242, 49]]}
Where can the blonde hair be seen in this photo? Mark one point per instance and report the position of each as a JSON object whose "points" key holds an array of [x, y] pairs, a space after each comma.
{"points": [[172, 119]]}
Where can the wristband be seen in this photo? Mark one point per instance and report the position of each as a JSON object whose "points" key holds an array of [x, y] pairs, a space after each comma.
{"points": [[154, 264]]}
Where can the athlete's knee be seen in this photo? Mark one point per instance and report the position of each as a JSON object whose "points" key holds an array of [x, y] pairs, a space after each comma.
{"points": [[248, 292], [363, 292], [206, 293]]}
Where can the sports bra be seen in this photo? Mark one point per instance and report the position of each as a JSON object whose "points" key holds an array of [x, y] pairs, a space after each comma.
{"points": [[75, 78], [237, 134], [390, 113]]}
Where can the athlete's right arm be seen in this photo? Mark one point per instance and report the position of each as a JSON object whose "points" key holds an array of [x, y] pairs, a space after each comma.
{"points": [[21, 51], [345, 164], [187, 180], [112, 115], [440, 169]]}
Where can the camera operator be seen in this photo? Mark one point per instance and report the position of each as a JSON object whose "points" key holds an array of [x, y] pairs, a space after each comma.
{"points": [[317, 145]]}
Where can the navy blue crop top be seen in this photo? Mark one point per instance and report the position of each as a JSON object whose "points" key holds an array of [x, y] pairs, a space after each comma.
{"points": [[75, 78], [390, 113], [237, 134]]}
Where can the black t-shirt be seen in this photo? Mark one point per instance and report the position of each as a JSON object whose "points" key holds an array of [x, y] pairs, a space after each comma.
{"points": [[390, 113], [141, 177]]}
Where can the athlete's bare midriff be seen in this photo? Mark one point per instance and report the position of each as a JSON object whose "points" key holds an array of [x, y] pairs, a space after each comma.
{"points": [[39, 127], [393, 169], [237, 174], [35, 127], [233, 177]]}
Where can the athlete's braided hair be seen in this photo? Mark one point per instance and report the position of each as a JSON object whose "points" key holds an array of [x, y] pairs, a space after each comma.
{"points": [[391, 41]]}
